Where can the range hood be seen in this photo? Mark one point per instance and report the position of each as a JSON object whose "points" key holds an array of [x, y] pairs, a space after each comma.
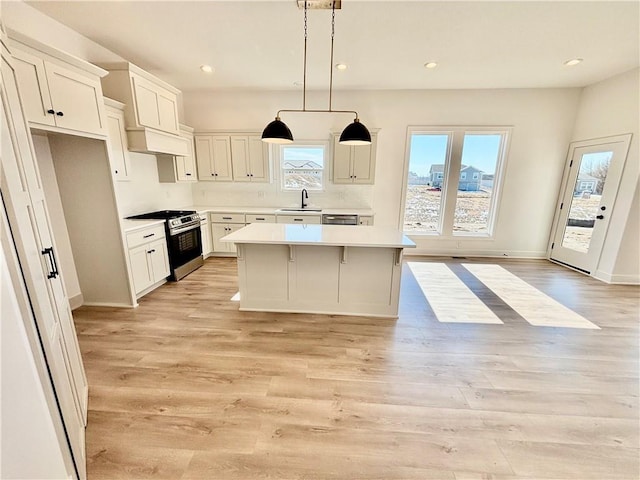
{"points": [[148, 140]]}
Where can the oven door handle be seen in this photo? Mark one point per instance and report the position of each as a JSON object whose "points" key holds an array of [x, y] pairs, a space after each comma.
{"points": [[176, 231]]}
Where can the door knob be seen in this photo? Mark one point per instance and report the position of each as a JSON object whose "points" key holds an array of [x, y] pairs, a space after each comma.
{"points": [[599, 217]]}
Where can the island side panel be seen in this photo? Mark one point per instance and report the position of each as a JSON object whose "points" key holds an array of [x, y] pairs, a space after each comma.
{"points": [[263, 275], [320, 279]]}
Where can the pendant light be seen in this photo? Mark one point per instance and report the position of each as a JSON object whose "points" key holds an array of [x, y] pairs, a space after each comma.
{"points": [[355, 133]]}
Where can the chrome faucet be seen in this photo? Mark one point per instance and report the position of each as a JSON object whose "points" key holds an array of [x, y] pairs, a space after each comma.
{"points": [[304, 195]]}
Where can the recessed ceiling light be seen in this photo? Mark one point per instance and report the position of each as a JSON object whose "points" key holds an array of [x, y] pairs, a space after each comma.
{"points": [[206, 68], [430, 65], [341, 66], [572, 62]]}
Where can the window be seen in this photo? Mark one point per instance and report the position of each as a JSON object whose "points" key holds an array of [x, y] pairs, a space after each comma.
{"points": [[302, 166], [471, 209]]}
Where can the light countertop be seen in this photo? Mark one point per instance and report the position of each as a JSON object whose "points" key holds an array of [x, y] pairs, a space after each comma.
{"points": [[328, 235], [277, 210], [132, 225]]}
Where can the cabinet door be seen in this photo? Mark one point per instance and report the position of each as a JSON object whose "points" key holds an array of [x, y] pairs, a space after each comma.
{"points": [[258, 159], [186, 166], [231, 247], [240, 158], [219, 230], [24, 202], [77, 99], [140, 268], [342, 168], [33, 87], [155, 106], [118, 149], [168, 111], [363, 167], [205, 236], [158, 260], [213, 156], [221, 148]]}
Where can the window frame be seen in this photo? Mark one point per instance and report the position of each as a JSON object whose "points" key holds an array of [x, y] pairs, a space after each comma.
{"points": [[324, 144], [451, 178]]}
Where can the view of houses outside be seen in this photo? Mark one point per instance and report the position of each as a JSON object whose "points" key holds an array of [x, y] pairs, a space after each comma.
{"points": [[302, 167], [585, 203], [475, 185]]}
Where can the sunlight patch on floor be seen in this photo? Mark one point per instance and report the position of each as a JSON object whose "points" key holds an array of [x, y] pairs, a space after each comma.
{"points": [[534, 306], [236, 297], [450, 299]]}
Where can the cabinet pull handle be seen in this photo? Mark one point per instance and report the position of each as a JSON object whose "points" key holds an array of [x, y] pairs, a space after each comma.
{"points": [[599, 217], [298, 219], [226, 218], [188, 174], [152, 250], [51, 111], [260, 218], [52, 260], [149, 235], [60, 114]]}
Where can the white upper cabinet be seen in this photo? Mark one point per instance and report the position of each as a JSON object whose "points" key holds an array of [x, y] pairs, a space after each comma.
{"points": [[118, 150], [60, 92], [249, 158], [149, 102], [241, 157], [213, 156], [181, 168], [354, 164]]}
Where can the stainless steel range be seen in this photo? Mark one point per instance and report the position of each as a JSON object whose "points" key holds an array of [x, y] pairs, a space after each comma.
{"points": [[184, 242]]}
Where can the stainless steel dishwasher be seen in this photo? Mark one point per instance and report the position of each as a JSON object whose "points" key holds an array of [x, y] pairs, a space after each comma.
{"points": [[340, 219]]}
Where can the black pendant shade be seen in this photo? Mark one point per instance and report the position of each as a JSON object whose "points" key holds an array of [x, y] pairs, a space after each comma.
{"points": [[355, 134], [277, 132]]}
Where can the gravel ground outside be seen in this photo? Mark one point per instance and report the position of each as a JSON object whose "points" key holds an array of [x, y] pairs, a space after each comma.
{"points": [[472, 211]]}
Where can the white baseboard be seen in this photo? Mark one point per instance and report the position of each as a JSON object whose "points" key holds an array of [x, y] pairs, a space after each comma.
{"points": [[76, 301], [105, 304], [617, 279], [476, 253]]}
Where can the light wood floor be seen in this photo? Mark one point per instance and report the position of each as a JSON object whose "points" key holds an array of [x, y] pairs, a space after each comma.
{"points": [[187, 387]]}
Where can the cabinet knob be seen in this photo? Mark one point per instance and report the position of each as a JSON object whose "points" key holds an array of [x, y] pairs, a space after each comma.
{"points": [[60, 114], [251, 175], [599, 217], [51, 111], [116, 172]]}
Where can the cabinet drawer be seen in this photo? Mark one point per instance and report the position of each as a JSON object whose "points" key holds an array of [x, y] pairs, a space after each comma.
{"points": [[261, 218], [145, 235], [301, 219], [227, 217]]}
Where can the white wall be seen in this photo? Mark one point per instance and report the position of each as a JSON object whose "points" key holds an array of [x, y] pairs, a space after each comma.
{"points": [[609, 108], [29, 445], [542, 122], [144, 192], [58, 222]]}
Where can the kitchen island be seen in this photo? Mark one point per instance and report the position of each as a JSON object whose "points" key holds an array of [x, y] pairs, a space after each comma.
{"points": [[331, 269]]}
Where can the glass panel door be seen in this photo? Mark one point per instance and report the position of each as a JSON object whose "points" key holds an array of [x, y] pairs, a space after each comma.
{"points": [[585, 200]]}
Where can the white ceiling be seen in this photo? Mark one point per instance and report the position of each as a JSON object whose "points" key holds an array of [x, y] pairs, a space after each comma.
{"points": [[258, 45]]}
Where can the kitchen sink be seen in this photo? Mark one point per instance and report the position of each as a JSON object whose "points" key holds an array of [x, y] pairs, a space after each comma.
{"points": [[300, 210]]}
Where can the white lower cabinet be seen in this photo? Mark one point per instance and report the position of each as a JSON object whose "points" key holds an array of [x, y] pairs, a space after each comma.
{"points": [[299, 219], [223, 224], [205, 236], [148, 257], [365, 220]]}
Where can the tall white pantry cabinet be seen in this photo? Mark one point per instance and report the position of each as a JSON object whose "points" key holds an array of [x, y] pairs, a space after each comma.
{"points": [[37, 79]]}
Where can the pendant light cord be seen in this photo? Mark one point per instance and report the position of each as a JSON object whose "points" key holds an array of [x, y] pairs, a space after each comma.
{"points": [[304, 74], [333, 28]]}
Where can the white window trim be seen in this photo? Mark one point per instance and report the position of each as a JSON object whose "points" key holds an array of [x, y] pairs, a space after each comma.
{"points": [[452, 177], [305, 143]]}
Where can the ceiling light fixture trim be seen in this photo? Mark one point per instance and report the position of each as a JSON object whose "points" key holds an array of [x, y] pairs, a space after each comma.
{"points": [[355, 133]]}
